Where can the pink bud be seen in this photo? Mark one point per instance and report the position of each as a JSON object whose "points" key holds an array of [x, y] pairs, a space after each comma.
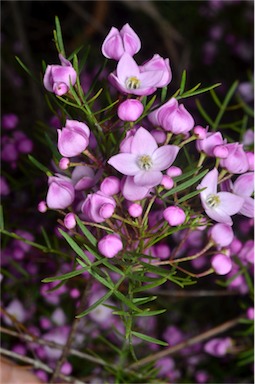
{"points": [[220, 151], [167, 182], [173, 171], [135, 210], [106, 210], [110, 245], [60, 193], [130, 110], [237, 161], [250, 313], [174, 216], [221, 264], [162, 251], [222, 234], [250, 158], [66, 368], [42, 206], [70, 221], [64, 163], [10, 121], [200, 132], [159, 136], [110, 186], [218, 346], [73, 139]]}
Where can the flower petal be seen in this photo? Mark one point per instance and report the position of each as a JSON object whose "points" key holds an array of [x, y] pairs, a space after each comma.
{"points": [[127, 67], [143, 142], [244, 184], [248, 207], [230, 203], [125, 163], [164, 156], [210, 183], [148, 178], [218, 215]]}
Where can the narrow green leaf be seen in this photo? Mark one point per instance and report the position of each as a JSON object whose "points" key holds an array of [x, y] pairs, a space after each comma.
{"points": [[95, 305], [66, 276], [27, 70], [186, 184], [151, 285], [163, 94], [126, 301], [144, 300], [224, 105], [183, 82], [86, 232], [204, 113], [186, 175], [1, 218], [194, 91], [46, 238], [75, 246], [149, 338], [189, 196], [39, 165], [59, 36], [148, 312]]}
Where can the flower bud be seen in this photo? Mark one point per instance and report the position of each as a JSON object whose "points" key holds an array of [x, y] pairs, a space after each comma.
{"points": [[130, 110], [70, 221], [83, 177], [176, 119], [250, 313], [64, 163], [42, 206], [60, 193], [208, 143], [250, 158], [57, 78], [117, 42], [221, 264], [97, 207], [73, 139], [218, 347], [9, 121], [157, 63], [200, 132], [135, 210], [222, 234], [110, 245], [173, 171], [110, 186], [167, 182], [220, 151], [237, 161], [174, 216], [159, 136]]}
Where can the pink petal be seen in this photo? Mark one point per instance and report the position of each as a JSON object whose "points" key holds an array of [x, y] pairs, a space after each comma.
{"points": [[148, 178], [210, 183], [230, 203], [125, 163], [164, 156], [150, 78], [132, 191], [244, 184], [218, 215], [143, 142], [127, 67], [248, 207]]}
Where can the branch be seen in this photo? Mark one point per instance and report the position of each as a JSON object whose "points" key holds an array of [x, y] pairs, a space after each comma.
{"points": [[193, 340]]}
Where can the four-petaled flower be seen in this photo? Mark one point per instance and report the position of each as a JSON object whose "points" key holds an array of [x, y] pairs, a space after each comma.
{"points": [[146, 160], [219, 206]]}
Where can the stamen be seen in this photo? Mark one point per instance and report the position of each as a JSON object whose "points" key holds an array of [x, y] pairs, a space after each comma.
{"points": [[133, 83], [144, 162], [213, 201]]}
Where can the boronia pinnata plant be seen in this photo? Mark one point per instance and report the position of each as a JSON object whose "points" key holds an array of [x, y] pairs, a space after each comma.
{"points": [[134, 178]]}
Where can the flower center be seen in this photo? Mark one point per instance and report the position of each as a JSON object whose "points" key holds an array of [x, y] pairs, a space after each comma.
{"points": [[144, 162], [213, 201], [133, 83]]}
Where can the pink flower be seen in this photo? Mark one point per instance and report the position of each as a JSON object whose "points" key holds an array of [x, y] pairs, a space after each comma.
{"points": [[60, 193], [117, 42], [222, 234], [174, 216], [219, 206], [208, 144], [244, 187], [157, 63], [146, 160], [132, 191], [110, 245], [236, 161], [218, 346], [221, 264], [172, 117], [83, 177], [57, 78], [130, 110], [73, 139], [110, 186], [98, 207], [130, 79]]}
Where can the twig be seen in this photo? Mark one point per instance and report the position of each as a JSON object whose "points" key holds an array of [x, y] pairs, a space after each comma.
{"points": [[195, 293], [67, 347], [35, 339], [193, 340]]}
